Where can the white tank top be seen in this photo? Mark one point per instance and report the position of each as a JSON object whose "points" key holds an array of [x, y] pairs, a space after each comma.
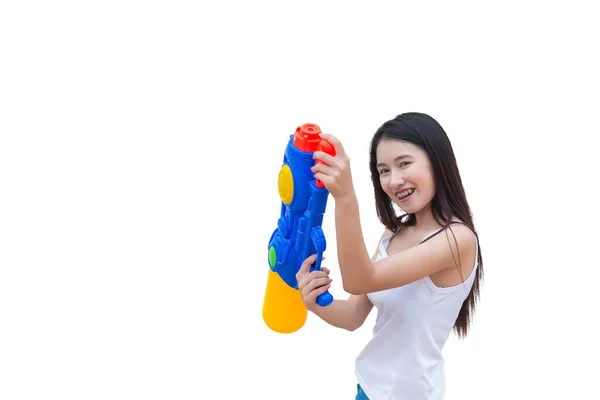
{"points": [[403, 360]]}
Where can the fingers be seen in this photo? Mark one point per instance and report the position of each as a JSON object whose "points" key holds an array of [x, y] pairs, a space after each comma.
{"points": [[305, 267], [337, 145], [306, 279], [304, 270], [312, 297], [324, 157], [315, 283], [319, 176], [314, 288], [312, 284], [323, 168]]}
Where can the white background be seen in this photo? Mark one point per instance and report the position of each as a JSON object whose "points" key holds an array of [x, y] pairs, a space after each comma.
{"points": [[139, 152]]}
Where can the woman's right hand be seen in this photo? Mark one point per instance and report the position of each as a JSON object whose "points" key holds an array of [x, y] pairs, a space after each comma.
{"points": [[312, 284]]}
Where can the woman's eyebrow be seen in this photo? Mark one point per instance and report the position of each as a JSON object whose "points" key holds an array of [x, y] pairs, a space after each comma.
{"points": [[395, 160]]}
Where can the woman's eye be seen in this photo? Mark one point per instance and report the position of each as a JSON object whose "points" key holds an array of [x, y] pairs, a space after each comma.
{"points": [[381, 172], [404, 164]]}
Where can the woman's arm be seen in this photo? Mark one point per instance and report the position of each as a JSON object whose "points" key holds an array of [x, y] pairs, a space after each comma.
{"points": [[359, 274], [347, 314]]}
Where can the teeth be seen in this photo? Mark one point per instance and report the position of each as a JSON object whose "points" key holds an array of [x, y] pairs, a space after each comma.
{"points": [[405, 193]]}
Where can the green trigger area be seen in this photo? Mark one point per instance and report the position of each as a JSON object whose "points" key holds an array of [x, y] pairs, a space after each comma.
{"points": [[272, 256]]}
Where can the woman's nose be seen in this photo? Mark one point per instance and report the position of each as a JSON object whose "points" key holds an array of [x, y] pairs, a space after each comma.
{"points": [[396, 181]]}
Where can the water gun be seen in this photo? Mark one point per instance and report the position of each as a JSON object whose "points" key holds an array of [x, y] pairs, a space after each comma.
{"points": [[298, 234]]}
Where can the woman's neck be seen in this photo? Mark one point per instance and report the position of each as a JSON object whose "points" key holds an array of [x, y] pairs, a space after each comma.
{"points": [[426, 221]]}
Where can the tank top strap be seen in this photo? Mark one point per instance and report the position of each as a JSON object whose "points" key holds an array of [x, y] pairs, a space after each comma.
{"points": [[432, 234]]}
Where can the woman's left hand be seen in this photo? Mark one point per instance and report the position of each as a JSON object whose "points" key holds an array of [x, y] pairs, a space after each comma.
{"points": [[335, 172]]}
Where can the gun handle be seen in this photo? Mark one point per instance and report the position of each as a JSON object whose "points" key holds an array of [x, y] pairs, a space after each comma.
{"points": [[324, 299], [328, 148], [318, 239]]}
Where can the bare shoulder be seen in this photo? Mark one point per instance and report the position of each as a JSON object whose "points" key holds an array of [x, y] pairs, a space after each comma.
{"points": [[463, 232], [459, 234], [461, 240]]}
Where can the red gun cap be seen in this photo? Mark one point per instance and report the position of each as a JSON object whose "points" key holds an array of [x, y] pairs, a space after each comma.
{"points": [[307, 137]]}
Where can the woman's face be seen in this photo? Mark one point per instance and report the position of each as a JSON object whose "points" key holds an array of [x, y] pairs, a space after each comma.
{"points": [[405, 174]]}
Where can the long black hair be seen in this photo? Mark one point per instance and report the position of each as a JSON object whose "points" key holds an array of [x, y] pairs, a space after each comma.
{"points": [[449, 200]]}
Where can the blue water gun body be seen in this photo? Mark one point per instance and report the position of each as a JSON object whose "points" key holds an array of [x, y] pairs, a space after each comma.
{"points": [[304, 199]]}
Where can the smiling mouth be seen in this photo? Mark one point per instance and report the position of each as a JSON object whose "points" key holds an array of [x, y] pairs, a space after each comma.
{"points": [[404, 194]]}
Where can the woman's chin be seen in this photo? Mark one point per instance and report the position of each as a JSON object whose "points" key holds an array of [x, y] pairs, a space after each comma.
{"points": [[407, 207]]}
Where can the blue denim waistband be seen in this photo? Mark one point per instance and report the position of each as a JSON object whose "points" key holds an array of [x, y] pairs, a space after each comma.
{"points": [[360, 395]]}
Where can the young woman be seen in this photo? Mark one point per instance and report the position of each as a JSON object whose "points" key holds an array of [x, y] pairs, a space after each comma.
{"points": [[425, 275]]}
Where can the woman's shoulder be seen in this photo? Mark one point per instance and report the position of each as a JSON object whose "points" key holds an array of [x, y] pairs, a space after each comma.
{"points": [[455, 227], [462, 237]]}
